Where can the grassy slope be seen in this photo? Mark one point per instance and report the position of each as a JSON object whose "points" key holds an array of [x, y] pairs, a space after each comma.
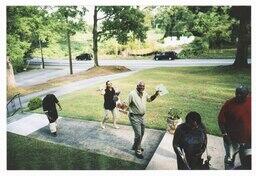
{"points": [[201, 89], [26, 153]]}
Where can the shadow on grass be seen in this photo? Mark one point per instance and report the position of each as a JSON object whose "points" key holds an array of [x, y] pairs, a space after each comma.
{"points": [[24, 153]]}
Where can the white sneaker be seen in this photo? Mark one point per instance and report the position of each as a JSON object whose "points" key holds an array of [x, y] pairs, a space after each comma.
{"points": [[102, 125], [116, 127]]}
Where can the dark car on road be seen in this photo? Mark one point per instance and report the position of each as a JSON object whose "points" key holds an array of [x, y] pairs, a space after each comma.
{"points": [[170, 55], [85, 56]]}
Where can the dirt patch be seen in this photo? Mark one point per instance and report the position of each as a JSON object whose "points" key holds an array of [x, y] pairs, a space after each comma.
{"points": [[90, 73]]}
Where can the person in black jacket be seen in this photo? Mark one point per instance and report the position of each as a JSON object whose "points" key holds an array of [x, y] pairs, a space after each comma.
{"points": [[189, 142], [49, 107], [110, 99]]}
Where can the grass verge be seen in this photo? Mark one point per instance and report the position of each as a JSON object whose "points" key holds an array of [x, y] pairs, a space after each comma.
{"points": [[201, 89], [228, 53], [24, 153]]}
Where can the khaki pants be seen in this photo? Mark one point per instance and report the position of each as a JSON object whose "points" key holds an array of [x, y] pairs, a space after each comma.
{"points": [[53, 127], [138, 125], [107, 113]]}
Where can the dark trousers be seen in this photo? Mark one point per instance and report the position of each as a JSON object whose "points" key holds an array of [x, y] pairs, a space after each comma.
{"points": [[194, 162]]}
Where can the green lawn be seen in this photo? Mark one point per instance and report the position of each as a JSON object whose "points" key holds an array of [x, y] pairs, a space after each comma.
{"points": [[201, 89], [24, 153]]}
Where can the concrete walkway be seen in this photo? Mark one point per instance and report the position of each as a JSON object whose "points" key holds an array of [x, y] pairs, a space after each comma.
{"points": [[88, 136]]}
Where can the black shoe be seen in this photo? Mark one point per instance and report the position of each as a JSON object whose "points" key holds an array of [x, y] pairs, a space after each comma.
{"points": [[139, 155], [54, 134], [133, 148]]}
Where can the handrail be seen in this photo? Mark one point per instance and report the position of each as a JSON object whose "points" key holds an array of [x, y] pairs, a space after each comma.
{"points": [[13, 108], [13, 98]]}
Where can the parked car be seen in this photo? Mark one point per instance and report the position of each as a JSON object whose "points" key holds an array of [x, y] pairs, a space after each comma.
{"points": [[85, 56], [171, 55]]}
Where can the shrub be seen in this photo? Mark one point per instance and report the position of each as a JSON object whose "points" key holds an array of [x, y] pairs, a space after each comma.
{"points": [[35, 103], [196, 48], [174, 114]]}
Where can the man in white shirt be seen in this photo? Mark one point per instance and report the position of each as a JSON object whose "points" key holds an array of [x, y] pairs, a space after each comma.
{"points": [[137, 108]]}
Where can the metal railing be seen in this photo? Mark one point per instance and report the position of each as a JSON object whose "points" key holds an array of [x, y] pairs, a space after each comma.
{"points": [[13, 105]]}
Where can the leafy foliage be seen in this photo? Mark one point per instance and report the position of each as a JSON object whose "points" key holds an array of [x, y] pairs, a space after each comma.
{"points": [[35, 103], [196, 48], [20, 30], [174, 114], [69, 19], [175, 21], [122, 23], [27, 25], [212, 24]]}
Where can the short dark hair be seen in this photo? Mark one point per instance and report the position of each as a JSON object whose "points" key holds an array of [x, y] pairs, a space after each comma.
{"points": [[242, 90], [193, 116], [107, 82]]}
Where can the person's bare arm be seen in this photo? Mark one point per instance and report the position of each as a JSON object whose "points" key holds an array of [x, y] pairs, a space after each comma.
{"points": [[59, 106], [153, 97]]}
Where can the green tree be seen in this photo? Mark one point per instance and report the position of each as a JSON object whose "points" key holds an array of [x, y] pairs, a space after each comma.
{"points": [[43, 28], [28, 27], [119, 22], [19, 33], [69, 20], [212, 24], [243, 14], [175, 21]]}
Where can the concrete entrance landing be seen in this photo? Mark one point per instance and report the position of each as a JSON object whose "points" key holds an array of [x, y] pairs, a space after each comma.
{"points": [[165, 157]]}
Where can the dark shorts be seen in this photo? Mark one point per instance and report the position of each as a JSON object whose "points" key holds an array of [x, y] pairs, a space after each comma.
{"points": [[52, 115]]}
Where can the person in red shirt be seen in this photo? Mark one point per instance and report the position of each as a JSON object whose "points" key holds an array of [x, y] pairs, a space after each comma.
{"points": [[235, 124]]}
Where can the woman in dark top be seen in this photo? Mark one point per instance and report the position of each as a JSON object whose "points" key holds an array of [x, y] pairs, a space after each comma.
{"points": [[110, 98], [189, 142]]}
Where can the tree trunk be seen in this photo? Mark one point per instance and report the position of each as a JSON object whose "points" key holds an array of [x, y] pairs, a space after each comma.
{"points": [[42, 56], [242, 44], [95, 38], [10, 75], [69, 53]]}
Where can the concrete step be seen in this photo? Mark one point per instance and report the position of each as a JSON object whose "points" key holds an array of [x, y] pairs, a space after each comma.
{"points": [[165, 158]]}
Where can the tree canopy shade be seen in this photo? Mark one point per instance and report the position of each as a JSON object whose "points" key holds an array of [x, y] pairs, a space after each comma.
{"points": [[119, 22]]}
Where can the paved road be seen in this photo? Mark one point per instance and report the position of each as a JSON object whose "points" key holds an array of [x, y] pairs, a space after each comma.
{"points": [[136, 64], [57, 68]]}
